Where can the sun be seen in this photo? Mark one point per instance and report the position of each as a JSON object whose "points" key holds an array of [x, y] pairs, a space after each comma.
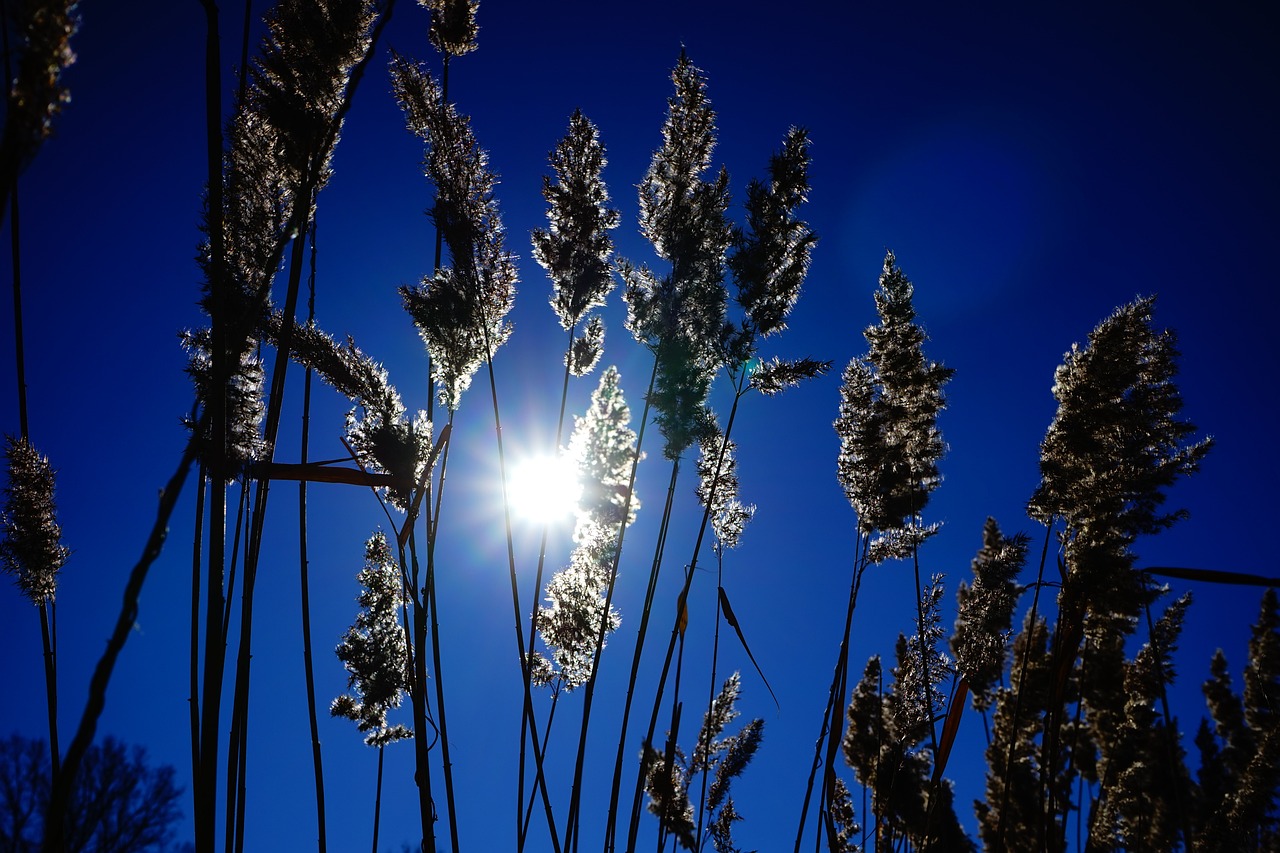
{"points": [[544, 489]]}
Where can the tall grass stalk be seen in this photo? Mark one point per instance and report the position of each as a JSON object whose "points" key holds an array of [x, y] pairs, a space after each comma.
{"points": [[1033, 615], [32, 98], [829, 733], [574, 249], [641, 634], [678, 626], [668, 753], [526, 714], [337, 58], [205, 740], [433, 611], [711, 697], [19, 347], [571, 831], [540, 779], [238, 753], [515, 593], [924, 646], [418, 692], [60, 797], [305, 584], [44, 606], [678, 316], [197, 557]]}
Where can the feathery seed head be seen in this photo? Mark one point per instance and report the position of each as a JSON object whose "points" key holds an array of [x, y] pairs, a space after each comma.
{"points": [[576, 247], [453, 25], [460, 310], [1115, 446], [889, 403], [374, 650], [31, 545]]}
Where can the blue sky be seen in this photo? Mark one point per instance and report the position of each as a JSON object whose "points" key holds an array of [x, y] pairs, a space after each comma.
{"points": [[1032, 166]]}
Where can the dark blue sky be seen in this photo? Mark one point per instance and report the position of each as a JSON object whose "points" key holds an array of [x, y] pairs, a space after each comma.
{"points": [[1032, 166]]}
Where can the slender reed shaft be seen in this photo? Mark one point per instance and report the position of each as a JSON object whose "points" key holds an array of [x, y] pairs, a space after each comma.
{"points": [[304, 565], [50, 683], [242, 513], [377, 800], [205, 770], [832, 725], [60, 796], [1061, 837], [215, 652], [1171, 733], [1018, 694], [533, 795], [599, 650], [241, 775], [20, 361], [642, 633], [48, 638], [817, 755], [433, 613], [15, 245], [1052, 741], [711, 692], [673, 734], [515, 589], [197, 554], [924, 648], [533, 620], [275, 403], [418, 699], [677, 628]]}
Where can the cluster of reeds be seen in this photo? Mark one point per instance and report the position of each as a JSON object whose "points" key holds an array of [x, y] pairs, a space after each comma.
{"points": [[1078, 727], [1080, 738]]}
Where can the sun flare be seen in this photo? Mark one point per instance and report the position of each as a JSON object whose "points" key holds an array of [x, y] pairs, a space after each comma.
{"points": [[544, 489]]}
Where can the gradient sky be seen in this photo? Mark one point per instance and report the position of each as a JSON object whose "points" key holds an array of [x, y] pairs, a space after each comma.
{"points": [[1032, 166]]}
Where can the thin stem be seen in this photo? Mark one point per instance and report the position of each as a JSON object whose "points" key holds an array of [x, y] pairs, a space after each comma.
{"points": [[711, 693], [650, 591], [599, 650], [1063, 653], [673, 735], [50, 684], [275, 403], [677, 631], [377, 800], [817, 755], [433, 610], [19, 347], [515, 590], [242, 774], [60, 796], [1022, 683], [242, 513], [48, 636], [924, 650], [1075, 740], [533, 795], [521, 826], [16, 255], [197, 553], [304, 565], [833, 725], [205, 771], [418, 698], [1175, 764]]}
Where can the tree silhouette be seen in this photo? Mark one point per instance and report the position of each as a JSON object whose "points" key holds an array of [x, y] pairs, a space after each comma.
{"points": [[119, 804]]}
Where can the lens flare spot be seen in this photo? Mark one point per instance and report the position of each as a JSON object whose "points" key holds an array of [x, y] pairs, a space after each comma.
{"points": [[544, 489]]}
